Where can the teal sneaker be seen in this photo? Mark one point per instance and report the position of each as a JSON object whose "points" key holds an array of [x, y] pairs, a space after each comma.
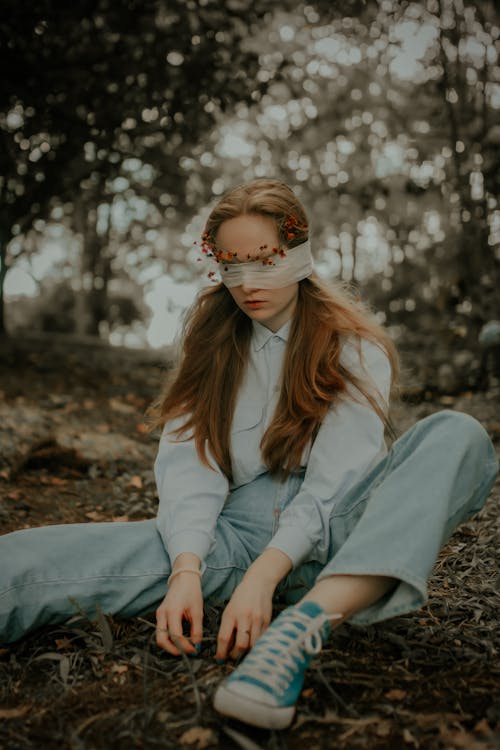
{"points": [[264, 688]]}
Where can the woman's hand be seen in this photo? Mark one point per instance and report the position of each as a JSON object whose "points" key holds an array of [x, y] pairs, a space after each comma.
{"points": [[184, 601], [249, 610], [244, 619]]}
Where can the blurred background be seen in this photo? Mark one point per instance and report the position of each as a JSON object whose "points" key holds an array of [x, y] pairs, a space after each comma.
{"points": [[122, 122]]}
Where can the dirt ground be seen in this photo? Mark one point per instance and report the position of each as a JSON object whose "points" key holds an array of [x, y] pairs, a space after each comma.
{"points": [[74, 447]]}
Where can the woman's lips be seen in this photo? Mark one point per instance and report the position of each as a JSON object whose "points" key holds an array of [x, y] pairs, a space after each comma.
{"points": [[254, 303]]}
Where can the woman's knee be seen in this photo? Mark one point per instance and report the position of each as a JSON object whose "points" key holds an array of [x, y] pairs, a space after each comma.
{"points": [[458, 428]]}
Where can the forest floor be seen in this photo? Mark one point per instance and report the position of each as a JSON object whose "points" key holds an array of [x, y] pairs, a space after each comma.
{"points": [[74, 447]]}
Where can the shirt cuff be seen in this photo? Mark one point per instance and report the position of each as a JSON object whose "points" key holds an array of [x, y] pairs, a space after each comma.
{"points": [[294, 542], [197, 542]]}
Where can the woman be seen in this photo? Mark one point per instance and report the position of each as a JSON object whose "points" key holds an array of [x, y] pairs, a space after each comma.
{"points": [[272, 444]]}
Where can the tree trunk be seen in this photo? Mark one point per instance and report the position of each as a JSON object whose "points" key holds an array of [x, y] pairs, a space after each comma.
{"points": [[3, 274], [91, 301]]}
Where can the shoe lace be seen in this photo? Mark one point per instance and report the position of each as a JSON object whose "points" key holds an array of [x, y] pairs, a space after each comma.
{"points": [[280, 653]]}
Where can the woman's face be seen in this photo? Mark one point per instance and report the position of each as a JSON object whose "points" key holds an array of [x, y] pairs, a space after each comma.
{"points": [[244, 235]]}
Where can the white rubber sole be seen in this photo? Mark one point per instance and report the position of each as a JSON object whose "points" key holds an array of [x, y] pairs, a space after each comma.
{"points": [[258, 714]]}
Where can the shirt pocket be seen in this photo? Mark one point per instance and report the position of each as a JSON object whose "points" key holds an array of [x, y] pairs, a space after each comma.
{"points": [[247, 416]]}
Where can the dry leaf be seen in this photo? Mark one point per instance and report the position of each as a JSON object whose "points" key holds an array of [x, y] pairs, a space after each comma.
{"points": [[383, 729], [409, 738], [14, 713], [395, 694], [120, 518], [482, 727], [142, 428], [120, 406], [64, 669], [447, 400], [104, 629], [119, 668], [136, 481], [63, 643], [93, 515], [199, 735], [103, 428]]}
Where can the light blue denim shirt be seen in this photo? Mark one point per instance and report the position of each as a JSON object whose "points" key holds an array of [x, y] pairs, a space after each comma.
{"points": [[349, 442]]}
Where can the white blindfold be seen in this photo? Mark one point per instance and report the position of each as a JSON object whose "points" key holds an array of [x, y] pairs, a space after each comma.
{"points": [[279, 271]]}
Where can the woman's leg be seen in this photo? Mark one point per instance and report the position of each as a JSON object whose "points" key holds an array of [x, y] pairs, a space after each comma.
{"points": [[50, 573], [393, 523], [436, 475], [386, 534], [348, 594]]}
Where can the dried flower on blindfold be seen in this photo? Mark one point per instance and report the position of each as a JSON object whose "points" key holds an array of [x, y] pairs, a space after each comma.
{"points": [[290, 228]]}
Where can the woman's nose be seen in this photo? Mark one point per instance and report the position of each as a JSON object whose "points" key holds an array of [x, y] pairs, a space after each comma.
{"points": [[248, 289]]}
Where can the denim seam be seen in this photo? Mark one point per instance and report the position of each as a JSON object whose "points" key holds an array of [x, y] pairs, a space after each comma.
{"points": [[402, 609], [369, 491], [366, 495], [400, 573], [52, 581], [229, 566]]}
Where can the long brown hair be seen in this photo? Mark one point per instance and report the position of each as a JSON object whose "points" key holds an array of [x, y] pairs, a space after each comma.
{"points": [[216, 339]]}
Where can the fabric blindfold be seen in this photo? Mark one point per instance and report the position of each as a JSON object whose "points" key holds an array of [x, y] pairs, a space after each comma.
{"points": [[296, 265]]}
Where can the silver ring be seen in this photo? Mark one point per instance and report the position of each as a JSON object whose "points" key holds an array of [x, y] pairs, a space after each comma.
{"points": [[162, 630]]}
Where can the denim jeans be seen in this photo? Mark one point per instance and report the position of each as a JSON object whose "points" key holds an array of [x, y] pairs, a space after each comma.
{"points": [[393, 522]]}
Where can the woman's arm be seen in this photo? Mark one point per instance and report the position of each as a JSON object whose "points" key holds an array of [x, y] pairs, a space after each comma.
{"points": [[349, 443], [191, 498]]}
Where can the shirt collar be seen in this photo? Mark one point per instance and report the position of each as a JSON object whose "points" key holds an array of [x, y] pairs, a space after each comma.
{"points": [[261, 335]]}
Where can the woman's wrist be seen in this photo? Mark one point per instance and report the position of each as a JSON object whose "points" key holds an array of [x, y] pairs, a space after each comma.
{"points": [[269, 568], [186, 564], [186, 560], [178, 572]]}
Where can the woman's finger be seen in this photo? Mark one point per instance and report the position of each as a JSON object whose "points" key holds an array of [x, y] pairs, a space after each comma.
{"points": [[169, 635], [180, 641], [196, 631], [162, 633], [243, 639], [225, 638], [258, 628]]}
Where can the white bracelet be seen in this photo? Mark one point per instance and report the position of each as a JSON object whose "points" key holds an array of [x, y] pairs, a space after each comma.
{"points": [[183, 570]]}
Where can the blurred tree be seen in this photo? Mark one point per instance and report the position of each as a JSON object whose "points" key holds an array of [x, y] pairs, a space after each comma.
{"points": [[91, 83], [469, 80], [385, 117]]}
